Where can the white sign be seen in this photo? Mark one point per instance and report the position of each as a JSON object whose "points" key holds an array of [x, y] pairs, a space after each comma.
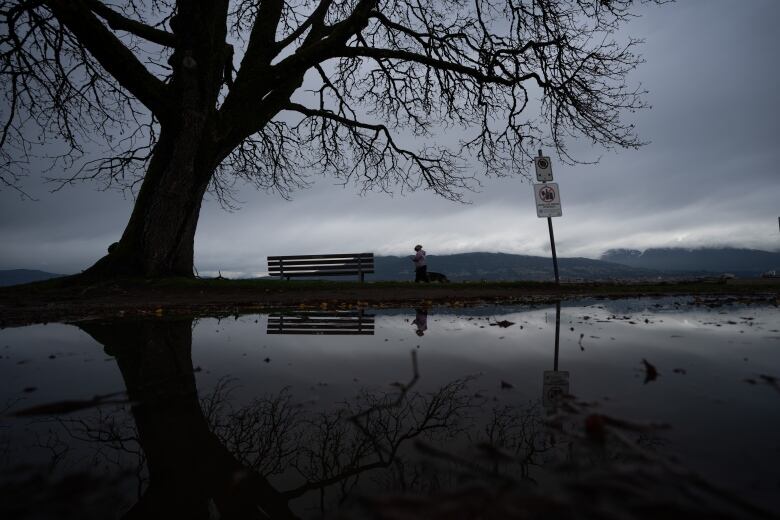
{"points": [[543, 169], [555, 387], [548, 200]]}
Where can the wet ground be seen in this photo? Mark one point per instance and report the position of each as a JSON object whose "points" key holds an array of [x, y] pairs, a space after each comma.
{"points": [[74, 298], [623, 408]]}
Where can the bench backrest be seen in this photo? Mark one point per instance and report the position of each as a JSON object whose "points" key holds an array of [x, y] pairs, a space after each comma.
{"points": [[322, 323], [321, 265]]}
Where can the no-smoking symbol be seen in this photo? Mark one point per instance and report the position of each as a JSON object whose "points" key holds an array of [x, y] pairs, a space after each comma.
{"points": [[543, 168], [547, 194]]}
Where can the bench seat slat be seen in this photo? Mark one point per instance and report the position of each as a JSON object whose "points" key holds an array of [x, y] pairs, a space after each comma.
{"points": [[323, 332], [308, 257], [353, 326], [295, 268], [313, 267], [318, 273], [322, 314], [345, 261], [321, 321]]}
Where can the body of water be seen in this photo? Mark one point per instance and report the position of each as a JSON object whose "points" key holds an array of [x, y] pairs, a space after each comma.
{"points": [[626, 407]]}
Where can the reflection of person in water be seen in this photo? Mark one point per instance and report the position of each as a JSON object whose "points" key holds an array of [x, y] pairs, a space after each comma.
{"points": [[421, 320]]}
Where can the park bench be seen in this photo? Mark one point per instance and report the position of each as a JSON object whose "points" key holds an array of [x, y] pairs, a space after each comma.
{"points": [[321, 265], [322, 323]]}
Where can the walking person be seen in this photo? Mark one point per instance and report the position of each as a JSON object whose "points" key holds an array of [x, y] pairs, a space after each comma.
{"points": [[420, 267]]}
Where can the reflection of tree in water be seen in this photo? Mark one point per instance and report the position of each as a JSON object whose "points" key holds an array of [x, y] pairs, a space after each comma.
{"points": [[444, 454], [206, 454], [333, 450]]}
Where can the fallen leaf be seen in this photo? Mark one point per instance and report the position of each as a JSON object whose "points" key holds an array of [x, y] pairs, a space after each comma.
{"points": [[650, 371], [64, 407]]}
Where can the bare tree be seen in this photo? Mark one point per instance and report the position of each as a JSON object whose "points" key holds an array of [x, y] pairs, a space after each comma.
{"points": [[333, 86]]}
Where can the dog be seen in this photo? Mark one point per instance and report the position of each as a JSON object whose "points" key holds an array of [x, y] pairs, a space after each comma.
{"points": [[437, 277]]}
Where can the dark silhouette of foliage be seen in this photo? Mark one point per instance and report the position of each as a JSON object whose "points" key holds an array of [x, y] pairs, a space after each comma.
{"points": [[189, 96]]}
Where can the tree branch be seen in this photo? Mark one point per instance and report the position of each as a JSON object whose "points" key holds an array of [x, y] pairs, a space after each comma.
{"points": [[118, 22], [316, 18], [439, 64], [111, 53]]}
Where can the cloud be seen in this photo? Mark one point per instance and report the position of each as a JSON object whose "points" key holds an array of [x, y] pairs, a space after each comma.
{"points": [[708, 177]]}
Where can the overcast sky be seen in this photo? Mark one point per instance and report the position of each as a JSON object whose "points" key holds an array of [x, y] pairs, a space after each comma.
{"points": [[709, 176]]}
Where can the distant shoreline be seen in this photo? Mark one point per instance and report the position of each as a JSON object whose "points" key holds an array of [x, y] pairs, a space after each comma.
{"points": [[60, 301]]}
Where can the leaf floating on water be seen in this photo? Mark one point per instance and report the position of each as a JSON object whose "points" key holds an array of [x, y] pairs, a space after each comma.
{"points": [[503, 324], [680, 371], [493, 452], [65, 407], [505, 385], [771, 381], [650, 371], [596, 426]]}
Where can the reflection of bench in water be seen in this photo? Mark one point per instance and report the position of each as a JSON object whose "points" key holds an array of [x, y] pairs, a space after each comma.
{"points": [[321, 322]]}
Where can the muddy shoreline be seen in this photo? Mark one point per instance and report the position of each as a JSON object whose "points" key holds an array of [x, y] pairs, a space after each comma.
{"points": [[54, 301]]}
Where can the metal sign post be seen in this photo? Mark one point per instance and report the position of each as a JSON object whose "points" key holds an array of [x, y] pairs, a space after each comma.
{"points": [[548, 201], [552, 246]]}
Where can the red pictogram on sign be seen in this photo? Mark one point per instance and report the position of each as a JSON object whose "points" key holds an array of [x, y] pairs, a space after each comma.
{"points": [[547, 194]]}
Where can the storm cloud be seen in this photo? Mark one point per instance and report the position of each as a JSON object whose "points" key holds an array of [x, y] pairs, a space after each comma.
{"points": [[708, 176]]}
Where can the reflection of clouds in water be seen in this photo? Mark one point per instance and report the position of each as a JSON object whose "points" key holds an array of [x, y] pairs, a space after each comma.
{"points": [[708, 395]]}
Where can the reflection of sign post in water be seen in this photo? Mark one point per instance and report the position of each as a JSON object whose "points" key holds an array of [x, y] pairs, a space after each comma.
{"points": [[548, 200], [556, 382], [556, 385]]}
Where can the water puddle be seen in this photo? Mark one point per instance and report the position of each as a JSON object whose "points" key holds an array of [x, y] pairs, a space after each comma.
{"points": [[645, 407]]}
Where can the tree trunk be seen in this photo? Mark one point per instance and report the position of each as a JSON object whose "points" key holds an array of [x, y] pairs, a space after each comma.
{"points": [[159, 238], [188, 466]]}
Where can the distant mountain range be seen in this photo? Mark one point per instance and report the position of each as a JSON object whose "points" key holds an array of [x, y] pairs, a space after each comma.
{"points": [[20, 276], [615, 264], [740, 262], [502, 266]]}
